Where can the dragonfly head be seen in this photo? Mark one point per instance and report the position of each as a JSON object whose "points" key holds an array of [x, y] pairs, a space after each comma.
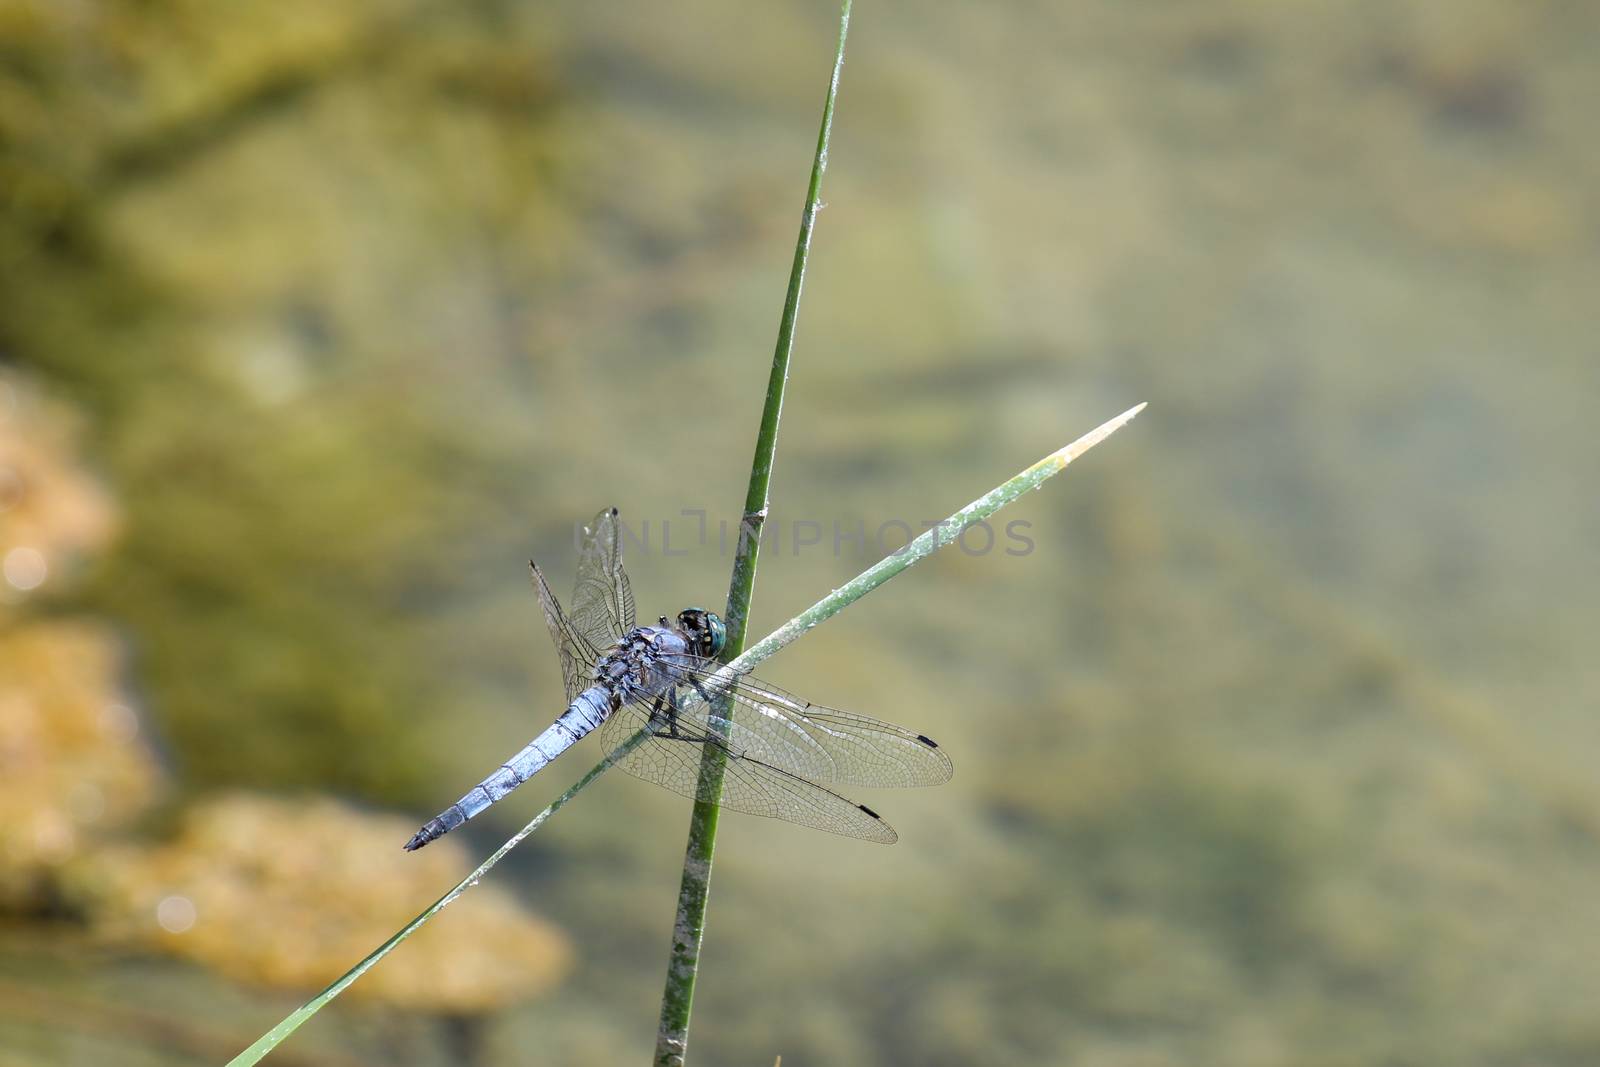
{"points": [[705, 630]]}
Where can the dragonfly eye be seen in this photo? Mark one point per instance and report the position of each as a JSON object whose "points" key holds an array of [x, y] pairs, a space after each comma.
{"points": [[705, 628], [716, 634]]}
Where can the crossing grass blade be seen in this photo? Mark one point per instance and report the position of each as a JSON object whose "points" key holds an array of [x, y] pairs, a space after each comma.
{"points": [[914, 552], [677, 997]]}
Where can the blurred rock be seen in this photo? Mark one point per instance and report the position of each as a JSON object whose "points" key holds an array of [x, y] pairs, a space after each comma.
{"points": [[50, 510], [292, 893], [70, 761]]}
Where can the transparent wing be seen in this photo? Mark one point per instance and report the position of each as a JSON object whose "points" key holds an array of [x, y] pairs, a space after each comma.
{"points": [[577, 655], [821, 744], [749, 784], [602, 602]]}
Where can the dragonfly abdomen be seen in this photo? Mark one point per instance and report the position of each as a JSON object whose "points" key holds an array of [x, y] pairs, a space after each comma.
{"points": [[583, 715]]}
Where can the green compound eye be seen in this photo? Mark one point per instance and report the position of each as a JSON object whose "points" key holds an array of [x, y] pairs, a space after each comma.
{"points": [[717, 635], [706, 628]]}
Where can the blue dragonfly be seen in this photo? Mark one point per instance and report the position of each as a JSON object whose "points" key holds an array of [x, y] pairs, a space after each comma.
{"points": [[784, 755]]}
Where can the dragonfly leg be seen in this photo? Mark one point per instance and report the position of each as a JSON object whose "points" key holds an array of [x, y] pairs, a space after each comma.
{"points": [[659, 712], [666, 707], [671, 697]]}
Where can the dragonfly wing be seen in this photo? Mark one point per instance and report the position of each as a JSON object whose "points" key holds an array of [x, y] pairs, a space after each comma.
{"points": [[749, 784], [602, 601], [822, 744], [576, 653]]}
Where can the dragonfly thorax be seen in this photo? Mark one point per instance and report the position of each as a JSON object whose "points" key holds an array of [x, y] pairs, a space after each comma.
{"points": [[645, 662]]}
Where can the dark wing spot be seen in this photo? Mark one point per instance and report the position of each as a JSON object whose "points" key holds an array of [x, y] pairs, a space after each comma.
{"points": [[925, 739], [870, 812]]}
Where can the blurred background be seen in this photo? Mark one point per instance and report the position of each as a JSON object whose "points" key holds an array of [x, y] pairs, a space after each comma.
{"points": [[317, 321]]}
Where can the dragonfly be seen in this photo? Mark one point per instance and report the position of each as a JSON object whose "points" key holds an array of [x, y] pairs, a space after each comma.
{"points": [[783, 756]]}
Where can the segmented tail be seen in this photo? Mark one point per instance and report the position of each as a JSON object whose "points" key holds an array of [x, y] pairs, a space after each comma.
{"points": [[587, 712]]}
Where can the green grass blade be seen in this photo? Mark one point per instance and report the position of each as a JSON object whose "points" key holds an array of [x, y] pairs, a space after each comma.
{"points": [[756, 495], [672, 1044], [788, 633], [677, 997], [923, 546]]}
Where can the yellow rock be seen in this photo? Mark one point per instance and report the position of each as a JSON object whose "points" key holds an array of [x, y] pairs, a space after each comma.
{"points": [[71, 763], [50, 510], [292, 893]]}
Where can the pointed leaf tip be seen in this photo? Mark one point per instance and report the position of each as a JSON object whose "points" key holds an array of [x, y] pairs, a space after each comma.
{"points": [[1100, 433]]}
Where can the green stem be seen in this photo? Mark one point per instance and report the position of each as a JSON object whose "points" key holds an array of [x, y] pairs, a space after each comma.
{"points": [[784, 635], [756, 495], [677, 998]]}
